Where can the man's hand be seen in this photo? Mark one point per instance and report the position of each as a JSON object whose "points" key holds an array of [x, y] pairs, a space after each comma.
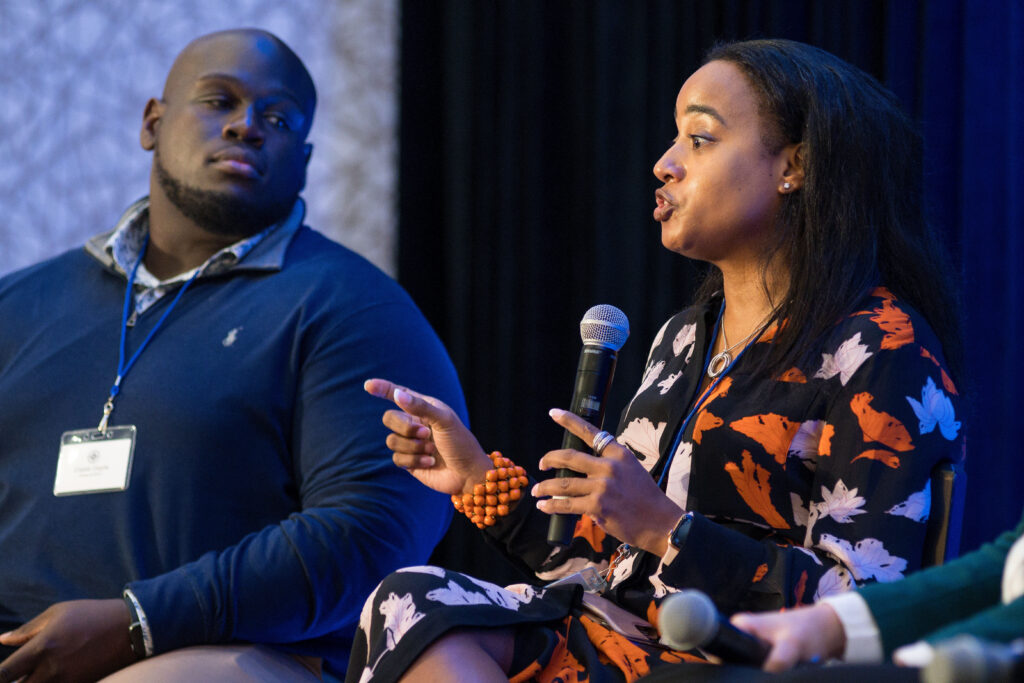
{"points": [[805, 634], [80, 640]]}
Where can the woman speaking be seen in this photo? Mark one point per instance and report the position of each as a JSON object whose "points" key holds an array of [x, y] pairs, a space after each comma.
{"points": [[779, 446]]}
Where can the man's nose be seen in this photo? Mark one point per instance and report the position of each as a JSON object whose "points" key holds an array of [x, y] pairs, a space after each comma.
{"points": [[245, 125]]}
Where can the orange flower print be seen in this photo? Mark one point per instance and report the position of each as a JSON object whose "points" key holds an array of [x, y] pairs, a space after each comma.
{"points": [[705, 420], [629, 658], [770, 332], [825, 442], [759, 574], [774, 432], [562, 667], [883, 293], [896, 323], [720, 391], [880, 426], [798, 591], [947, 382], [588, 530], [793, 375], [673, 657], [885, 457], [752, 484]]}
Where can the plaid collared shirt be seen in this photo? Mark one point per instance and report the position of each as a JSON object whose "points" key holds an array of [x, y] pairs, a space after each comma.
{"points": [[125, 245]]}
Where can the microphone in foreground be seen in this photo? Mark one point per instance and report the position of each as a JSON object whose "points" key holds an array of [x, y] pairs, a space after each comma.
{"points": [[966, 659], [688, 619], [604, 330]]}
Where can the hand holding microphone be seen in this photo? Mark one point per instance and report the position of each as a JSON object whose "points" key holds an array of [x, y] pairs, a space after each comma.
{"points": [[604, 330]]}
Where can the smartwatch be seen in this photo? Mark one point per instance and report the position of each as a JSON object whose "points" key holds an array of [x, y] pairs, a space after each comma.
{"points": [[677, 538]]}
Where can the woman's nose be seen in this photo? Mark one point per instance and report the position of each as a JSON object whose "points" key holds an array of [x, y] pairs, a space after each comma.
{"points": [[668, 167]]}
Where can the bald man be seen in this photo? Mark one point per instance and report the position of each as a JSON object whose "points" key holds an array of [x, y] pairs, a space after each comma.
{"points": [[193, 484]]}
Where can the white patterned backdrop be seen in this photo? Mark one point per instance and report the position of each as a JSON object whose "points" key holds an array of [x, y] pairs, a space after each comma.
{"points": [[75, 75]]}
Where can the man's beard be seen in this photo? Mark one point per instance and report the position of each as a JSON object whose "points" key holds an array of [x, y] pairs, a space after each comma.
{"points": [[220, 212]]}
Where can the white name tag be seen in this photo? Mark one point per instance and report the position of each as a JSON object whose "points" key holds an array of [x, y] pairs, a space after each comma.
{"points": [[92, 461]]}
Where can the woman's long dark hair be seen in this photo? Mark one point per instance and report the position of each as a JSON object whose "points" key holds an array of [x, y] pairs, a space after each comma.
{"points": [[858, 219]]}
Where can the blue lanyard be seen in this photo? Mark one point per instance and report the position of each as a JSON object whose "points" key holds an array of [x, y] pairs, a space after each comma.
{"points": [[122, 367], [707, 392]]}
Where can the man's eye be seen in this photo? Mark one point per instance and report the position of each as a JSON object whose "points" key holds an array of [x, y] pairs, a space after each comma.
{"points": [[216, 102], [277, 120]]}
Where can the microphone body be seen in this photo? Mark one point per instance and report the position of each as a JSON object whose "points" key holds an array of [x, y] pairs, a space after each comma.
{"points": [[966, 659], [689, 619], [604, 330]]}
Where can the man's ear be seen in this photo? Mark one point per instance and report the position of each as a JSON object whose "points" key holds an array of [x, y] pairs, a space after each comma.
{"points": [[793, 170], [150, 121]]}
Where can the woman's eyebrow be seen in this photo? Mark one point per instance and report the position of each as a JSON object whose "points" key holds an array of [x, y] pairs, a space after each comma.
{"points": [[704, 109]]}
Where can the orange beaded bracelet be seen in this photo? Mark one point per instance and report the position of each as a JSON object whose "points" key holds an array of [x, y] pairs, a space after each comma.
{"points": [[492, 499]]}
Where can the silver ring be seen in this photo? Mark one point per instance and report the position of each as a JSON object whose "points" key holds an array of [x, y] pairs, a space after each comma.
{"points": [[601, 442]]}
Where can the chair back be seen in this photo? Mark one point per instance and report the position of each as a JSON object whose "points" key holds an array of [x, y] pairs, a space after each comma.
{"points": [[945, 518]]}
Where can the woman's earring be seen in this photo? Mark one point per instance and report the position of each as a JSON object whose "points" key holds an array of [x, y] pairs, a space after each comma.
{"points": [[787, 186]]}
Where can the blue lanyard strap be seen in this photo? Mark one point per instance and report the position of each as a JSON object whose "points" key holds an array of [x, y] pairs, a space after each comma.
{"points": [[122, 367]]}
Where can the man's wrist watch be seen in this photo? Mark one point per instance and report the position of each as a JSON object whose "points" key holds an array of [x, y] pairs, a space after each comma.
{"points": [[136, 627], [677, 538]]}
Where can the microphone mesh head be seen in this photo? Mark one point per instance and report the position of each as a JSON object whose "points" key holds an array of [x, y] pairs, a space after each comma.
{"points": [[606, 326], [687, 619]]}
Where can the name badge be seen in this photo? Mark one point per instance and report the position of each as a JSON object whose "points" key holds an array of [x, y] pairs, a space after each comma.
{"points": [[94, 461]]}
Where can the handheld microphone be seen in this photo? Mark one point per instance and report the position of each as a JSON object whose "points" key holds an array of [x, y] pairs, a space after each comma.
{"points": [[688, 619], [966, 659], [604, 330]]}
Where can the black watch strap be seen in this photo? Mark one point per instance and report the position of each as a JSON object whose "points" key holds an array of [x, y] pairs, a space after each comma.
{"points": [[677, 538]]}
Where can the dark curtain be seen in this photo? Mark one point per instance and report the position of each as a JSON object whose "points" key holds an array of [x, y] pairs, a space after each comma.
{"points": [[528, 133]]}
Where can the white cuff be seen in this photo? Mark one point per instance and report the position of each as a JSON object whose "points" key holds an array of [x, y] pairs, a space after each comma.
{"points": [[863, 640], [917, 654], [147, 635]]}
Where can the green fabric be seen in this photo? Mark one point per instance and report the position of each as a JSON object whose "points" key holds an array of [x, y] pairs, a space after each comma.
{"points": [[962, 596]]}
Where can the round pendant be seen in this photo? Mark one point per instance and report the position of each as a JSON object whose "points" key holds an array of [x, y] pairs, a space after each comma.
{"points": [[719, 363]]}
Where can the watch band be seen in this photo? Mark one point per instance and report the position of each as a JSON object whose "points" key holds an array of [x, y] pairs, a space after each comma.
{"points": [[677, 538], [137, 627]]}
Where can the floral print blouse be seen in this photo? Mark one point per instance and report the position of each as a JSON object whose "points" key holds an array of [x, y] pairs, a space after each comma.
{"points": [[800, 485]]}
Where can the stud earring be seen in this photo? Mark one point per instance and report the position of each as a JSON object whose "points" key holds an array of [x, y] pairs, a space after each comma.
{"points": [[786, 186]]}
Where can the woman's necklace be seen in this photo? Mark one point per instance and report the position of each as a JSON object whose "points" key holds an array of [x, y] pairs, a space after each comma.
{"points": [[720, 361]]}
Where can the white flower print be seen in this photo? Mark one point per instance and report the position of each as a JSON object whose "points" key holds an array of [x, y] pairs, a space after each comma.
{"points": [[422, 569], [685, 338], [679, 474], [367, 612], [850, 355], [805, 442], [657, 338], [868, 559], [799, 511], [643, 437], [650, 376], [809, 553], [501, 597], [570, 567], [667, 383], [400, 615], [454, 594], [917, 506], [624, 569], [660, 589], [840, 504], [935, 408], [835, 580]]}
